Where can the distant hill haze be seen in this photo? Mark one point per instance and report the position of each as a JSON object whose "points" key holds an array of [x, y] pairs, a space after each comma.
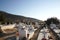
{"points": [[10, 18]]}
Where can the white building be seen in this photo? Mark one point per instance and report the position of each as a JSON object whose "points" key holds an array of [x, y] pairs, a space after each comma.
{"points": [[24, 29]]}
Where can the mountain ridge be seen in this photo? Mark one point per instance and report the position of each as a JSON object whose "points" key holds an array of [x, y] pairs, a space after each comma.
{"points": [[7, 16]]}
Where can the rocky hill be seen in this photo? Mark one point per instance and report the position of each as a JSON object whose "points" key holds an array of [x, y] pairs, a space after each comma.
{"points": [[7, 17]]}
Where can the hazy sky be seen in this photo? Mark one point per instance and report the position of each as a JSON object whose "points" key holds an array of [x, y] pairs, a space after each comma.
{"points": [[39, 9]]}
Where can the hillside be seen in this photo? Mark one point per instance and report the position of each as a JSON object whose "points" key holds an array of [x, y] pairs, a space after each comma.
{"points": [[7, 17]]}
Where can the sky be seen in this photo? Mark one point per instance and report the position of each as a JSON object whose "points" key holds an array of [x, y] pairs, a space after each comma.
{"points": [[39, 9]]}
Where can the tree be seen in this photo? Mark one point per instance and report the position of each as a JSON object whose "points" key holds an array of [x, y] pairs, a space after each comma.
{"points": [[53, 19], [2, 18]]}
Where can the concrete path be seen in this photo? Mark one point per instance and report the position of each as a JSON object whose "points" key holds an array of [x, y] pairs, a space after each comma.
{"points": [[41, 35], [36, 33]]}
